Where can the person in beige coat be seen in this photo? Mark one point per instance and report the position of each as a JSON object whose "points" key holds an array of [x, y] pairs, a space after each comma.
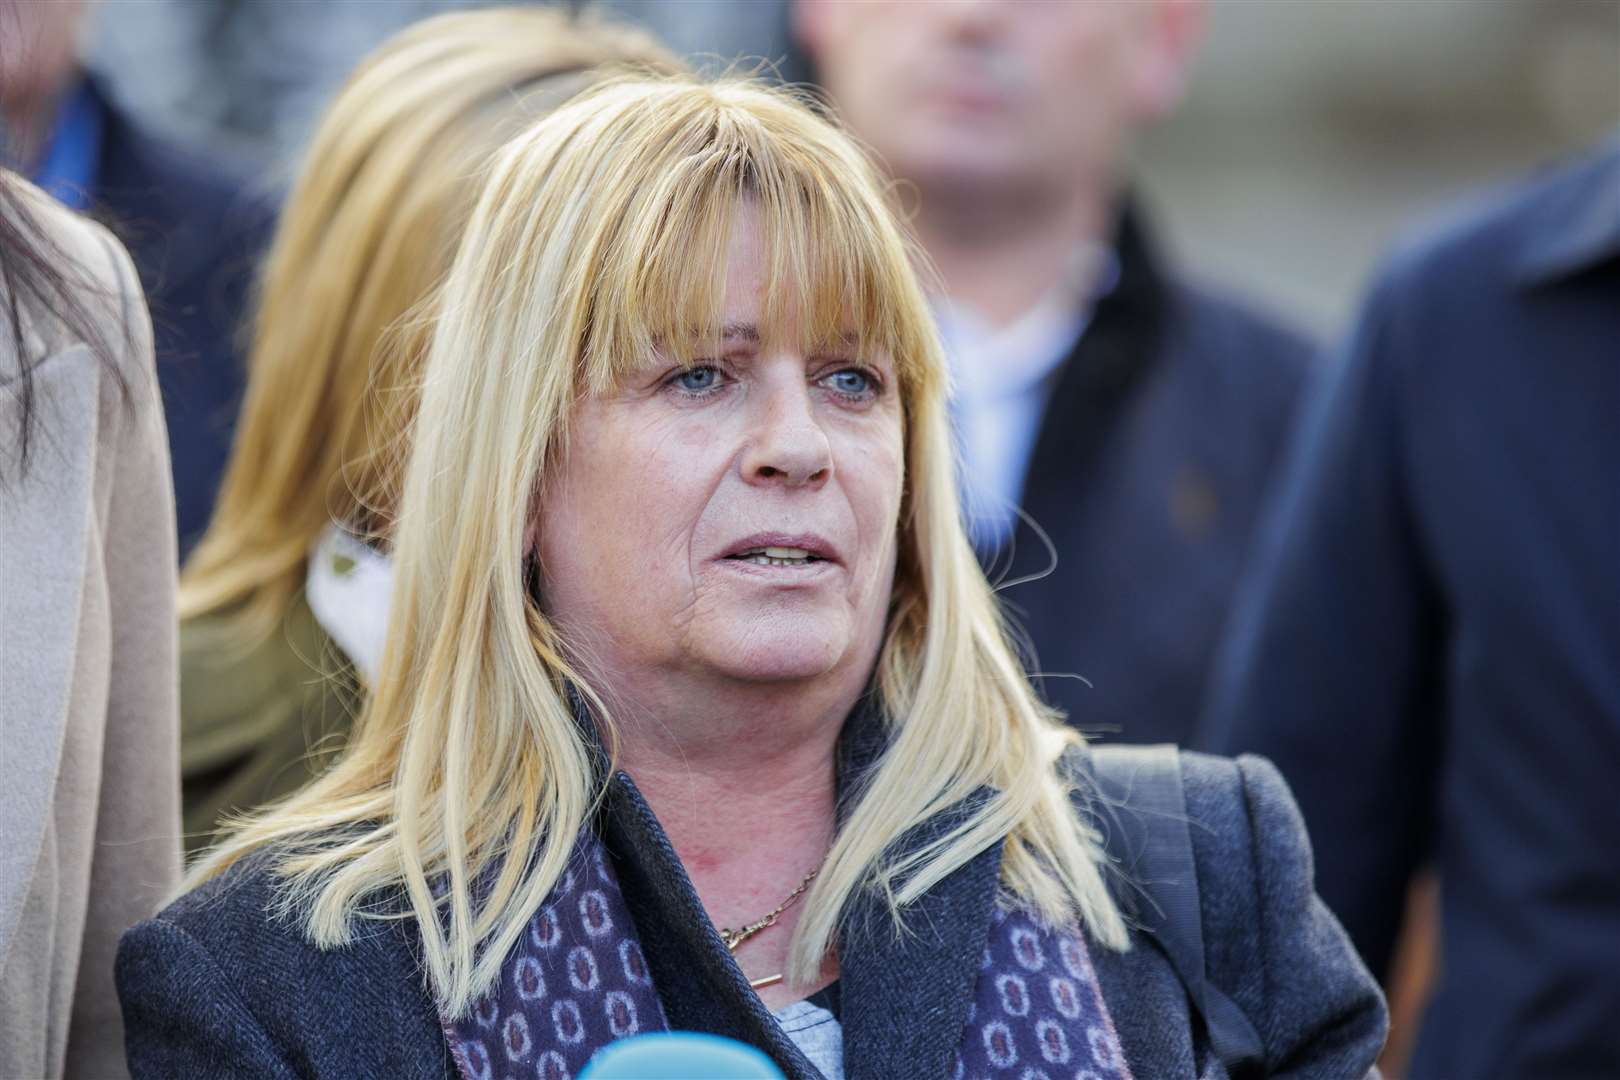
{"points": [[89, 757]]}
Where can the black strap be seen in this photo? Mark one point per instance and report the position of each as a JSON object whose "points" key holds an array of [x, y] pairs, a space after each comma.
{"points": [[1148, 835]]}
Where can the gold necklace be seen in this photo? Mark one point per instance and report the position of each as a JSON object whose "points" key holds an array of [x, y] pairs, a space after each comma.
{"points": [[735, 938]]}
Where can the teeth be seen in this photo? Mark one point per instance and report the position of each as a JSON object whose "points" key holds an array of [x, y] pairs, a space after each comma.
{"points": [[776, 556]]}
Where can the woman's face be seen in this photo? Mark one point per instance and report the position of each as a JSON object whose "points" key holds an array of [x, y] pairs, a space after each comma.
{"points": [[732, 519]]}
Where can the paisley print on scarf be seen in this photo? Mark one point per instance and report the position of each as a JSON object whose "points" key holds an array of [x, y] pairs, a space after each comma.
{"points": [[1038, 1012], [577, 981]]}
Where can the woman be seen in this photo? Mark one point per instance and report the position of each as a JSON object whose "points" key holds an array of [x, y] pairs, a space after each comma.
{"points": [[284, 600], [696, 710], [89, 796]]}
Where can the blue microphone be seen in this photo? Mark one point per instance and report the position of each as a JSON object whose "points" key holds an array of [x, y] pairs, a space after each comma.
{"points": [[680, 1055]]}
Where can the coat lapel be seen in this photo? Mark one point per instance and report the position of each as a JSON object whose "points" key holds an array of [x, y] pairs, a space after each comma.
{"points": [[700, 986], [1140, 987], [53, 616], [906, 994]]}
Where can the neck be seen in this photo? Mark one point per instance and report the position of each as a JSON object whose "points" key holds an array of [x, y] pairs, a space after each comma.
{"points": [[28, 119], [1001, 251], [730, 776], [743, 784]]}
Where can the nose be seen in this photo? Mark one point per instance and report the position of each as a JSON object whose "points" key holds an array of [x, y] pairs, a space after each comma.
{"points": [[974, 21], [786, 446]]}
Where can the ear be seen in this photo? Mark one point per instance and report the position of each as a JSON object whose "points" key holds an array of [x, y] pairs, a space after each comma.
{"points": [[1174, 31], [531, 532], [532, 576]]}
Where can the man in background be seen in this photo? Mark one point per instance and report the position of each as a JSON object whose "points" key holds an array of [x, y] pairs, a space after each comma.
{"points": [[1429, 648], [1134, 419], [192, 227]]}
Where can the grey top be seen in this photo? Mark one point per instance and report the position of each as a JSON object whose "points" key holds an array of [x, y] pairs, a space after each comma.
{"points": [[818, 1035]]}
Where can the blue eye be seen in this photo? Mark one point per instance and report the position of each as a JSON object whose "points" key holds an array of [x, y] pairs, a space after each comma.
{"points": [[698, 380], [851, 382]]}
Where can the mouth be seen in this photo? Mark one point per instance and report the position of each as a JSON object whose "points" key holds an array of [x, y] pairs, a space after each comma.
{"points": [[776, 556], [792, 552]]}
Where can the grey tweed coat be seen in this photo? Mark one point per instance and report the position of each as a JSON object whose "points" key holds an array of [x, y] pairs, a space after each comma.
{"points": [[212, 987]]}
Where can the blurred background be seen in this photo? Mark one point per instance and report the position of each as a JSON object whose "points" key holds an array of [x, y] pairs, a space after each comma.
{"points": [[1314, 130], [1314, 133]]}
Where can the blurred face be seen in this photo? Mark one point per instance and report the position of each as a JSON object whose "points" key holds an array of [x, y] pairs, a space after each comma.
{"points": [[37, 42], [733, 519], [1010, 93]]}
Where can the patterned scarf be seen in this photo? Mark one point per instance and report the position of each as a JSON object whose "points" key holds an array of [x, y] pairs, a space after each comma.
{"points": [[577, 981]]}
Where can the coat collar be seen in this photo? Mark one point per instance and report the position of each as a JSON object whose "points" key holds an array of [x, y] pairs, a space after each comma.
{"points": [[49, 630], [923, 977], [927, 971], [1118, 351], [1573, 224]]}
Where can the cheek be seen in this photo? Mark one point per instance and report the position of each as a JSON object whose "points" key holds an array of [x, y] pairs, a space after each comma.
{"points": [[874, 478], [617, 527], [884, 69], [635, 486], [1092, 63]]}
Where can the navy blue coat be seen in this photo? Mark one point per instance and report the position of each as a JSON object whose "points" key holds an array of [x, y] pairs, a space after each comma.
{"points": [[1429, 648], [1155, 454], [196, 231], [214, 987]]}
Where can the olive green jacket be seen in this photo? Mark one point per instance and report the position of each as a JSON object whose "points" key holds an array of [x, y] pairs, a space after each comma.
{"points": [[257, 724]]}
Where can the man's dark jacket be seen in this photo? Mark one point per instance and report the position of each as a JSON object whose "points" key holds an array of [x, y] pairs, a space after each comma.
{"points": [[195, 231], [217, 987], [1156, 450], [1430, 648]]}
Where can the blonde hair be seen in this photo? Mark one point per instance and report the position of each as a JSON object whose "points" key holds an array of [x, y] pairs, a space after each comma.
{"points": [[601, 235], [369, 230]]}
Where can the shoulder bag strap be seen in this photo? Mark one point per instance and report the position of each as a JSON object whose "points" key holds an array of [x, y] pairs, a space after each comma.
{"points": [[1148, 836]]}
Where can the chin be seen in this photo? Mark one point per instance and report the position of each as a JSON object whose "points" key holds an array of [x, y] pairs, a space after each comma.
{"points": [[778, 649], [965, 153]]}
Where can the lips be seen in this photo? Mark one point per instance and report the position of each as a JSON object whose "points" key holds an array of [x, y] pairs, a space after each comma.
{"points": [[782, 549]]}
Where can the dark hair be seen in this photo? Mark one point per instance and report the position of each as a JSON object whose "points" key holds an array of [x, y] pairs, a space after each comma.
{"points": [[38, 276]]}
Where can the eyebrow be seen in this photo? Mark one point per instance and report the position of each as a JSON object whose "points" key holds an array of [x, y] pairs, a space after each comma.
{"points": [[750, 333]]}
